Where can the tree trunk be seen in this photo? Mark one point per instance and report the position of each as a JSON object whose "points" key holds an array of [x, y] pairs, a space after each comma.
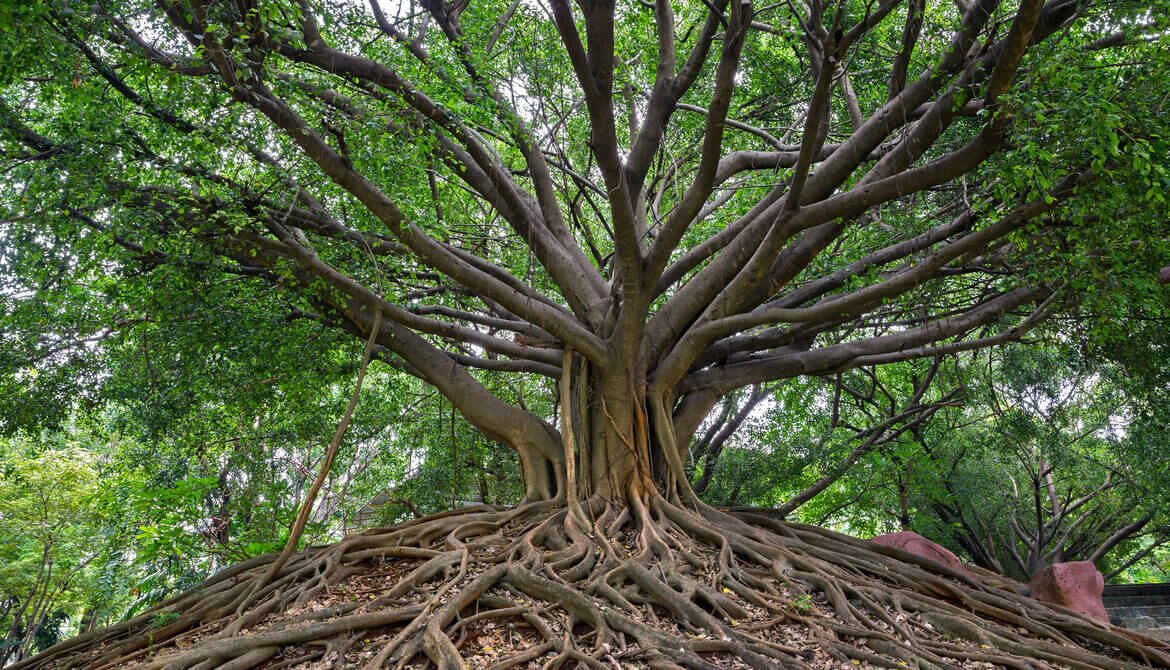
{"points": [[622, 440]]}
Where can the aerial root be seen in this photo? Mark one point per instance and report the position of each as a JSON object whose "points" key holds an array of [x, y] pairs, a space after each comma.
{"points": [[653, 583]]}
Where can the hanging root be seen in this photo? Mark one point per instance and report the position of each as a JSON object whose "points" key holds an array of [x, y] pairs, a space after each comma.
{"points": [[653, 584]]}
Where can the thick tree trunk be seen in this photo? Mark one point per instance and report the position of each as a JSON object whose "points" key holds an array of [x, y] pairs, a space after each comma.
{"points": [[622, 440]]}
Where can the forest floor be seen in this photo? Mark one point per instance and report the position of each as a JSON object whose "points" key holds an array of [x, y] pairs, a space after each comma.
{"points": [[493, 588], [499, 642]]}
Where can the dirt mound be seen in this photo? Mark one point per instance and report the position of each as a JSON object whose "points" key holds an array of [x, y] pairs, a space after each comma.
{"points": [[656, 585]]}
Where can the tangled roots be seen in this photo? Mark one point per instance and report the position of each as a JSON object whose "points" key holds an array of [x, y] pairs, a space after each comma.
{"points": [[652, 584]]}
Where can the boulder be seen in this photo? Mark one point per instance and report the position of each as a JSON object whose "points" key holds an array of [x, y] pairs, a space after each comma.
{"points": [[1077, 586], [913, 543], [1164, 275]]}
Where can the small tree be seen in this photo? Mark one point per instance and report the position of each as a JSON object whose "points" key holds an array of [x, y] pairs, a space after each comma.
{"points": [[1048, 474], [49, 513]]}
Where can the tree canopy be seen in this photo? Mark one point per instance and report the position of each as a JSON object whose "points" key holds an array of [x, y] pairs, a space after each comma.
{"points": [[745, 198]]}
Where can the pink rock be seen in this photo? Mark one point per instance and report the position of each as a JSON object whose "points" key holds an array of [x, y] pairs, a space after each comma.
{"points": [[913, 543], [1076, 585]]}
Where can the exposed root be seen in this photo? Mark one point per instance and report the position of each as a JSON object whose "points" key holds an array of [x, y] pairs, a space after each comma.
{"points": [[653, 584]]}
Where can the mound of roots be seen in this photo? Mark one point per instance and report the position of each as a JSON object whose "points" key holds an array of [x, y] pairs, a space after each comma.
{"points": [[650, 584]]}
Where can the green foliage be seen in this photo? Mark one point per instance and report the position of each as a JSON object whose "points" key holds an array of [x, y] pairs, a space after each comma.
{"points": [[1038, 432], [803, 603], [163, 618], [50, 513], [1064, 419], [174, 512]]}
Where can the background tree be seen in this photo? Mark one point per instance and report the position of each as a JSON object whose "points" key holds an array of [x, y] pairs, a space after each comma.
{"points": [[802, 439], [1077, 491], [50, 512], [547, 191], [1040, 464]]}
